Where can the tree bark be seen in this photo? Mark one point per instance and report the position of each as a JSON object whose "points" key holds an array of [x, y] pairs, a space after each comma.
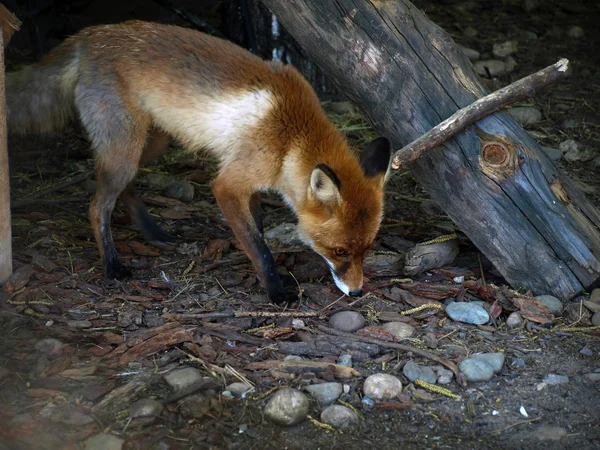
{"points": [[492, 179]]}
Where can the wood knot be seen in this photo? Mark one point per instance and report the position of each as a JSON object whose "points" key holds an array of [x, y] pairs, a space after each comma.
{"points": [[495, 154], [498, 156]]}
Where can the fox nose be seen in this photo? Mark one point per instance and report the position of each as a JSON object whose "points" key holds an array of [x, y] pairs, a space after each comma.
{"points": [[355, 293]]}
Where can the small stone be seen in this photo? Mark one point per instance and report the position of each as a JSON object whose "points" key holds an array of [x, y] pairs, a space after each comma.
{"points": [[476, 370], [553, 378], [504, 49], [104, 442], [526, 115], [593, 376], [194, 406], [494, 66], [444, 376], [345, 360], [49, 346], [287, 407], [510, 63], [179, 379], [456, 350], [430, 340], [470, 53], [238, 389], [495, 360], [285, 233], [553, 153], [549, 433], [595, 296], [596, 319], [158, 181], [145, 407], [293, 358], [575, 32], [574, 152], [554, 304], [586, 351], [467, 312], [382, 386], [368, 403], [514, 320], [180, 190], [414, 371], [325, 393], [126, 319], [470, 32], [399, 330], [340, 417], [519, 363], [347, 321], [79, 324]]}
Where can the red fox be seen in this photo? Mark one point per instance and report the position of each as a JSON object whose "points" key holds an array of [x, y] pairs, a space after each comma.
{"points": [[135, 86]]}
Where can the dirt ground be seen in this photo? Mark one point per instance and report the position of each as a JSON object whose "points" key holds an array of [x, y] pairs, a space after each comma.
{"points": [[116, 340]]}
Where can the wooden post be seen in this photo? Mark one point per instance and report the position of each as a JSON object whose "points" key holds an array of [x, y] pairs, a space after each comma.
{"points": [[492, 179], [9, 24]]}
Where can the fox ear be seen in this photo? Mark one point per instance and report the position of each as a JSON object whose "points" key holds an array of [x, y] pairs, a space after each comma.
{"points": [[375, 159], [324, 185]]}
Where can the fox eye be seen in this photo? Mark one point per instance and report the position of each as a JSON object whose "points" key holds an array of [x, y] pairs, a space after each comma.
{"points": [[339, 251]]}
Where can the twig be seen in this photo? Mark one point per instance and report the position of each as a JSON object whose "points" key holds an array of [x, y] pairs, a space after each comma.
{"points": [[238, 314], [78, 179], [394, 345], [519, 90]]}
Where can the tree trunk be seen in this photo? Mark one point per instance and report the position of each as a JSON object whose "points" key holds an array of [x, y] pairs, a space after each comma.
{"points": [[492, 179], [5, 223]]}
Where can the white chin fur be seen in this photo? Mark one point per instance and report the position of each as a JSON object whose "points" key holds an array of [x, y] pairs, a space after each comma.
{"points": [[339, 283]]}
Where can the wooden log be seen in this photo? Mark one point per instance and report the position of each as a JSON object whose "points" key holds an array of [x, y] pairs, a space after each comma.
{"points": [[492, 179], [8, 24]]}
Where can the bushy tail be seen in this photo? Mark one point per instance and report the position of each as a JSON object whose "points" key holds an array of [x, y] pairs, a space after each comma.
{"points": [[40, 98]]}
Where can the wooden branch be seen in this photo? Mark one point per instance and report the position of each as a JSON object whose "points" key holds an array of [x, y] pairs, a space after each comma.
{"points": [[9, 24], [5, 222], [514, 92]]}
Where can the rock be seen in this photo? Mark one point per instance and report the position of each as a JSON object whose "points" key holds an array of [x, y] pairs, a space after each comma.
{"points": [[549, 433], [596, 319], [399, 330], [495, 360], [510, 63], [586, 351], [519, 363], [494, 66], [526, 115], [476, 370], [367, 403], [444, 376], [79, 324], [595, 296], [145, 407], [347, 321], [422, 258], [470, 32], [340, 417], [553, 378], [194, 406], [43, 263], [553, 153], [430, 340], [126, 319], [467, 312], [180, 379], [504, 49], [238, 389], [158, 180], [593, 376], [293, 358], [382, 386], [286, 233], [575, 32], [345, 360], [470, 53], [514, 320], [104, 442], [49, 346], [554, 304], [180, 190], [287, 407], [574, 152], [414, 371], [325, 393]]}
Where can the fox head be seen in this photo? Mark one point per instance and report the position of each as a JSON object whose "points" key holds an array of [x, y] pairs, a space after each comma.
{"points": [[344, 211]]}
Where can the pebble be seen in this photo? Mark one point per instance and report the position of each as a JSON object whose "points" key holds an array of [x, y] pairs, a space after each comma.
{"points": [[554, 304], [553, 378], [494, 66], [179, 379], [470, 32], [49, 346], [325, 393], [476, 370], [593, 376], [526, 115], [495, 360], [467, 312], [287, 407], [127, 318], [104, 442], [514, 320], [444, 376], [399, 330], [519, 363], [293, 358], [238, 389], [345, 360], [382, 386], [339, 416], [194, 406], [430, 340], [596, 319], [145, 407], [368, 403], [347, 321], [553, 153], [79, 324], [575, 32], [595, 296], [549, 433], [180, 190], [510, 63], [470, 53], [586, 351], [414, 371], [574, 151], [504, 49], [158, 180], [592, 306]]}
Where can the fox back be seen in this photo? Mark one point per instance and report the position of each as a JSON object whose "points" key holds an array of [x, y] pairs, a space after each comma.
{"points": [[134, 86]]}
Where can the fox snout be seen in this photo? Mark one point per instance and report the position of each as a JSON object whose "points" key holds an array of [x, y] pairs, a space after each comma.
{"points": [[348, 276]]}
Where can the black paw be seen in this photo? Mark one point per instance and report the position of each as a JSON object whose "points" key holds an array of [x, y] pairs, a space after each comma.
{"points": [[157, 235], [284, 298], [117, 272]]}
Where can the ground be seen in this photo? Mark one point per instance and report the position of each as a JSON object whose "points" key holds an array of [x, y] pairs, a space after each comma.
{"points": [[116, 340]]}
